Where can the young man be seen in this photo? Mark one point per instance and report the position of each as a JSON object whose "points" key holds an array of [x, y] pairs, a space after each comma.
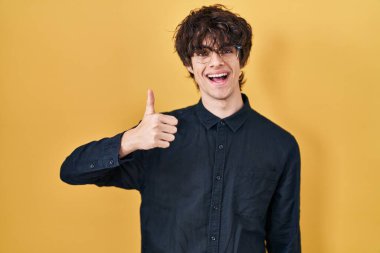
{"points": [[214, 177]]}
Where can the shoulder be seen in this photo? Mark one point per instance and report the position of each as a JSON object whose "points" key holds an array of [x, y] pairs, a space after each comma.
{"points": [[269, 131], [277, 141]]}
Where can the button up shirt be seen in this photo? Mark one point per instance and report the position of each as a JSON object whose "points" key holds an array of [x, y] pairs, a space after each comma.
{"points": [[224, 185]]}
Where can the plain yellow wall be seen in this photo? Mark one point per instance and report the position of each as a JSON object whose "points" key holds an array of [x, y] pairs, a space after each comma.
{"points": [[76, 71]]}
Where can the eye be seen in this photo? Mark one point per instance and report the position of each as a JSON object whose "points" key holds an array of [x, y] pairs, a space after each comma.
{"points": [[227, 50], [202, 52]]}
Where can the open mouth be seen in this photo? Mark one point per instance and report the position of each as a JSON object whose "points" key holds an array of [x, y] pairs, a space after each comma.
{"points": [[218, 77]]}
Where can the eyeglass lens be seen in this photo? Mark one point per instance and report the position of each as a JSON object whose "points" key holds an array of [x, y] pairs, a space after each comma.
{"points": [[203, 55]]}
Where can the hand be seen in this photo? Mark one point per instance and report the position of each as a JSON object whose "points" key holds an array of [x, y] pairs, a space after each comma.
{"points": [[154, 130]]}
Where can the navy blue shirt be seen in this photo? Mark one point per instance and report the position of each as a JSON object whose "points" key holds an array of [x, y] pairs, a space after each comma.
{"points": [[224, 185]]}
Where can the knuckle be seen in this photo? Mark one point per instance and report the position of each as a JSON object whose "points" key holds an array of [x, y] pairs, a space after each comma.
{"points": [[156, 126], [156, 117], [155, 138]]}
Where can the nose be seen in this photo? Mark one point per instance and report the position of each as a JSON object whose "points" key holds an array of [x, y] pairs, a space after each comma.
{"points": [[216, 60]]}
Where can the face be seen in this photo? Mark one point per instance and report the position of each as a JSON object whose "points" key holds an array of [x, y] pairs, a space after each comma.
{"points": [[218, 75]]}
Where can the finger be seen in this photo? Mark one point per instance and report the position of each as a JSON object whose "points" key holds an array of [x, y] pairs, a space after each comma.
{"points": [[168, 119], [163, 144], [166, 137], [168, 128], [149, 103]]}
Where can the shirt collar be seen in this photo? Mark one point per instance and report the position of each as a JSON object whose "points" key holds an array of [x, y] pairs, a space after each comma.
{"points": [[234, 121]]}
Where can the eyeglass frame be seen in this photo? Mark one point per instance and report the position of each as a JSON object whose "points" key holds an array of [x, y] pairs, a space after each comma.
{"points": [[237, 47]]}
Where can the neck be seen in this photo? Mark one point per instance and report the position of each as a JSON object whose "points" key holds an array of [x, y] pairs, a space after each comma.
{"points": [[224, 107]]}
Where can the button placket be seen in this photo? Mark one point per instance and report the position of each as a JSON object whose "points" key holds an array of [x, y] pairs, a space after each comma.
{"points": [[217, 188]]}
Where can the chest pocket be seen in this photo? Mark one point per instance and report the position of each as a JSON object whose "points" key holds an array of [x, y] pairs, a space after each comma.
{"points": [[253, 190]]}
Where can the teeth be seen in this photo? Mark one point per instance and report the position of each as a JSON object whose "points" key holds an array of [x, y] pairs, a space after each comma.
{"points": [[218, 75]]}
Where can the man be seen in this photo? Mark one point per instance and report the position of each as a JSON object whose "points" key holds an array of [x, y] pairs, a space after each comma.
{"points": [[213, 177]]}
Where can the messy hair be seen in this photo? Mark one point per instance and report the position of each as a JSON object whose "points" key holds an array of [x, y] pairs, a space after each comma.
{"points": [[220, 27]]}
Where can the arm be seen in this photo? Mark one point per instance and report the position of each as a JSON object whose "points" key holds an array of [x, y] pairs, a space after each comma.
{"points": [[99, 163], [283, 229], [118, 161]]}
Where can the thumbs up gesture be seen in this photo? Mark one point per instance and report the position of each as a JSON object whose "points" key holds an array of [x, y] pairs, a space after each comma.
{"points": [[154, 130]]}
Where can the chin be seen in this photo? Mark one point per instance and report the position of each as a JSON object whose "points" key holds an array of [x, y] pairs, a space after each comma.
{"points": [[218, 91], [220, 94]]}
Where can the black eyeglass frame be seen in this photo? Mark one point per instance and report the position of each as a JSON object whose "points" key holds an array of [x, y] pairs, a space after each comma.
{"points": [[237, 47]]}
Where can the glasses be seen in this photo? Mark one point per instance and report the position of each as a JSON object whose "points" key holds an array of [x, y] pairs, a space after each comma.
{"points": [[228, 53]]}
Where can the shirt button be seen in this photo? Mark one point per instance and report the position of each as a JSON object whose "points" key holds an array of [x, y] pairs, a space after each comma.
{"points": [[215, 207], [218, 177], [213, 238], [111, 162], [222, 122], [92, 165], [220, 146]]}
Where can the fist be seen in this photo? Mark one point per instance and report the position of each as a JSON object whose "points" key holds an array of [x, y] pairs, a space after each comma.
{"points": [[155, 130]]}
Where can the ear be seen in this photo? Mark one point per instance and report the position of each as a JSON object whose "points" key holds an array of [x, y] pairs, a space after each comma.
{"points": [[190, 69]]}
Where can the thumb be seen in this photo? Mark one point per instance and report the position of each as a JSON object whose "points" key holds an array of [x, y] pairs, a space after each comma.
{"points": [[149, 103]]}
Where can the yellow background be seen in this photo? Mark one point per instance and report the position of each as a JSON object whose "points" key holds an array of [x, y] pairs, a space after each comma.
{"points": [[77, 70]]}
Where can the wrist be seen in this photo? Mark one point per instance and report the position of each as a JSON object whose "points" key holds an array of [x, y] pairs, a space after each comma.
{"points": [[128, 143]]}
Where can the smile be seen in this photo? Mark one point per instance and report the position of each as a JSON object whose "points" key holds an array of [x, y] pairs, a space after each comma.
{"points": [[217, 77]]}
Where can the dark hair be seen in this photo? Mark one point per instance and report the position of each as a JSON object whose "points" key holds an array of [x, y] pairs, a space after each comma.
{"points": [[219, 25]]}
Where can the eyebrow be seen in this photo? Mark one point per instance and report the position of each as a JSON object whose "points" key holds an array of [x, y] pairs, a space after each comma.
{"points": [[210, 48]]}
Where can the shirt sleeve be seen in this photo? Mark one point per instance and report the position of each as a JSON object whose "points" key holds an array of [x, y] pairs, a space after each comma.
{"points": [[98, 163], [283, 228]]}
